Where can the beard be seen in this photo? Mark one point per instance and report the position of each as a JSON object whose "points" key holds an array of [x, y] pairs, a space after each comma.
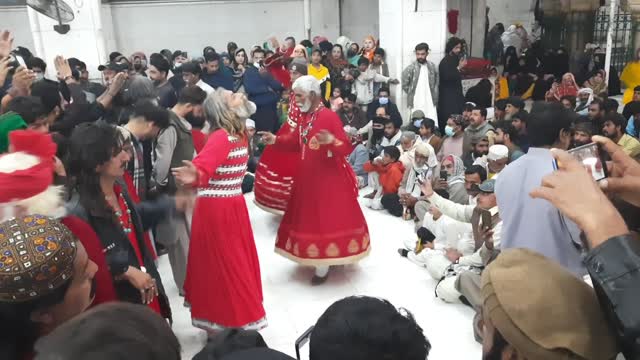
{"points": [[245, 110], [422, 61], [306, 106]]}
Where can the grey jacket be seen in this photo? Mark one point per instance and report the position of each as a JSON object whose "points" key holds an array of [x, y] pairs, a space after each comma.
{"points": [[410, 81]]}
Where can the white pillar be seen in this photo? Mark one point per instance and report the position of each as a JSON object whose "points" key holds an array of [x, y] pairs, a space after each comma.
{"points": [[402, 28], [84, 41]]}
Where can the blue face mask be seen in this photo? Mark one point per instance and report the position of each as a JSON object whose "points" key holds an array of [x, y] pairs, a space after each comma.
{"points": [[417, 123], [449, 131], [383, 100]]}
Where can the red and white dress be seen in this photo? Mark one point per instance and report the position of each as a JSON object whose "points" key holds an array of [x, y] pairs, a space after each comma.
{"points": [[223, 284], [323, 224], [276, 169]]}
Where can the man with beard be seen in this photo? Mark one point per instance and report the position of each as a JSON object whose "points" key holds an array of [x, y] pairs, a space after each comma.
{"points": [[613, 128], [174, 146], [158, 72], [420, 83], [552, 327], [351, 114], [478, 128], [450, 98], [479, 148], [507, 135], [325, 184], [596, 114], [582, 133], [514, 106]]}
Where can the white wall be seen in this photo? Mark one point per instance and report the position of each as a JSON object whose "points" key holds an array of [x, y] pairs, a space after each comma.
{"points": [[510, 12], [16, 20], [360, 19]]}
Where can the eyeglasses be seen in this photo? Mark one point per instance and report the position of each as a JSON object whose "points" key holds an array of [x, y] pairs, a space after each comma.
{"points": [[303, 340]]}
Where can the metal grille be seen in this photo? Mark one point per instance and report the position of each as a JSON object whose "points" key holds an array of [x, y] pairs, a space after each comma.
{"points": [[622, 50]]}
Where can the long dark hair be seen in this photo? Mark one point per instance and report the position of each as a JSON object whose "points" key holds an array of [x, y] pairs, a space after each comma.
{"points": [[92, 145]]}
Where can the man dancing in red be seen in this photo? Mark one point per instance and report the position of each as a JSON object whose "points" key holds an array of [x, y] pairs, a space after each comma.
{"points": [[323, 224]]}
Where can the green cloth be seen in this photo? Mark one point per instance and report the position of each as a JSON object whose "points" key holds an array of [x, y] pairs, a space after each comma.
{"points": [[8, 123]]}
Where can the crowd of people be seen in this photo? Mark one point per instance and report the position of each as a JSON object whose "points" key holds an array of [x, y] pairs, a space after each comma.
{"points": [[99, 179]]}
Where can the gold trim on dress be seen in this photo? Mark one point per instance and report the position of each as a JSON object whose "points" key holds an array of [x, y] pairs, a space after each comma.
{"points": [[353, 247], [313, 144], [313, 251], [323, 262], [333, 250]]}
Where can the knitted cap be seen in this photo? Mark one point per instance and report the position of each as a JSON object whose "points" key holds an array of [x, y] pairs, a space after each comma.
{"points": [[544, 311]]}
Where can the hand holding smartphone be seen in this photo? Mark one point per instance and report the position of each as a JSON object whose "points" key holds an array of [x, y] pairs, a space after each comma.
{"points": [[592, 157]]}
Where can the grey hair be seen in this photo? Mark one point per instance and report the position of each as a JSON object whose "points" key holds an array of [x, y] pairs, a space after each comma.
{"points": [[408, 135], [307, 84], [139, 88], [220, 116]]}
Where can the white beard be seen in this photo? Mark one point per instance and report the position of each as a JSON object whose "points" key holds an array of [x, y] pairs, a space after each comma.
{"points": [[306, 106]]}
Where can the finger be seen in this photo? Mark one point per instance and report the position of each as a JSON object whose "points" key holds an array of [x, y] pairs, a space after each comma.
{"points": [[543, 193], [143, 296], [565, 160], [187, 163], [614, 150], [622, 184]]}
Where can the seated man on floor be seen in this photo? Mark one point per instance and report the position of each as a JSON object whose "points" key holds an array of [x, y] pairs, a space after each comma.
{"points": [[473, 177], [485, 223], [385, 175], [416, 169], [495, 161], [358, 157], [479, 148]]}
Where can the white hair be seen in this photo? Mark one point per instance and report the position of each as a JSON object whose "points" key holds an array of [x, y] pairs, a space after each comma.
{"points": [[307, 84], [220, 115], [408, 135]]}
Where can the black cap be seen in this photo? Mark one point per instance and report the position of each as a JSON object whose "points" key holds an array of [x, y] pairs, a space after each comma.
{"points": [[118, 64], [516, 101]]}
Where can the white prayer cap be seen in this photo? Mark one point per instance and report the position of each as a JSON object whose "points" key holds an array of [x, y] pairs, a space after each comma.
{"points": [[497, 152], [250, 124]]}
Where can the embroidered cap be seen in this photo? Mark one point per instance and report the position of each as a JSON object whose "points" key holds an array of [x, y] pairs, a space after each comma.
{"points": [[36, 257]]}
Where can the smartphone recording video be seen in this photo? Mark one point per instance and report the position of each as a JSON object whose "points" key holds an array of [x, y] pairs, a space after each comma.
{"points": [[592, 157]]}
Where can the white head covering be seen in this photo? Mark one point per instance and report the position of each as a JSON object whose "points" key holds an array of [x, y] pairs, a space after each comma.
{"points": [[497, 152], [250, 124]]}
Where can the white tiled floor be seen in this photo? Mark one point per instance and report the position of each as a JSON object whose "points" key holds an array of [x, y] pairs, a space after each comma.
{"points": [[292, 305]]}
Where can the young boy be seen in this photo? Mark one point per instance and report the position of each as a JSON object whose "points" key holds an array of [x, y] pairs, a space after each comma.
{"points": [[427, 134], [363, 85], [385, 175]]}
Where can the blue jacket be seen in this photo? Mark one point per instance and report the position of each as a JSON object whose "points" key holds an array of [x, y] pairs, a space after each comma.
{"points": [[218, 79], [262, 89]]}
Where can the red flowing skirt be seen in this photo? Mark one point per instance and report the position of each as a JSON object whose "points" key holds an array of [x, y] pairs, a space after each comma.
{"points": [[223, 284], [274, 177], [324, 224]]}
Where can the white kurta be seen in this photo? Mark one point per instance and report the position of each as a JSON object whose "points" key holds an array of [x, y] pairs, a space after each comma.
{"points": [[422, 99]]}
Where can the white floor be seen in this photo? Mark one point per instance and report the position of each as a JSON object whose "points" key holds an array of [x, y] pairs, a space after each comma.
{"points": [[292, 304]]}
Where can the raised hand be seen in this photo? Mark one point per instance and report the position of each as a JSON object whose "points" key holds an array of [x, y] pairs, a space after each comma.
{"points": [[6, 43], [187, 174]]}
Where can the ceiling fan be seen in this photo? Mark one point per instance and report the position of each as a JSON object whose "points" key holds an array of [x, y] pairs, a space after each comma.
{"points": [[54, 9]]}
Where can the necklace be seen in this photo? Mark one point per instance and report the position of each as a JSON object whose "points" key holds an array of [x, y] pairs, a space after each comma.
{"points": [[304, 134], [127, 228]]}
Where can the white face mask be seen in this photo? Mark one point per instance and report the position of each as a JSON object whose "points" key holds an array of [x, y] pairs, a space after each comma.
{"points": [[39, 77]]}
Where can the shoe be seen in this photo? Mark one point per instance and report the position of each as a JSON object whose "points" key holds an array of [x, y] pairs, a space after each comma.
{"points": [[403, 252], [317, 280], [370, 196]]}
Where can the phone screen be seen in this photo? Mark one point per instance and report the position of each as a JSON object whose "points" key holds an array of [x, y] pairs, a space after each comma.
{"points": [[591, 157]]}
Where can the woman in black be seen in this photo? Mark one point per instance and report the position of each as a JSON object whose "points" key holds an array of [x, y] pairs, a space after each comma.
{"points": [[98, 159]]}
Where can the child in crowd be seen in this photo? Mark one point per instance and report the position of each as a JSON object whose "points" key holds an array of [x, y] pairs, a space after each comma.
{"points": [[385, 175], [363, 85], [358, 157], [336, 99], [283, 106]]}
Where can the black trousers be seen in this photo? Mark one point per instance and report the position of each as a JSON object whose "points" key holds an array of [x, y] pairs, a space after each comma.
{"points": [[391, 203]]}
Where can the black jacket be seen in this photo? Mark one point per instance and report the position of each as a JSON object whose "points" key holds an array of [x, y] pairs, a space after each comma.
{"points": [[119, 252], [614, 267], [390, 108]]}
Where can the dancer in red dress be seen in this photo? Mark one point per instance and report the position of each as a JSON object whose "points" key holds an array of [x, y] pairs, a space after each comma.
{"points": [[223, 284], [276, 170], [323, 224]]}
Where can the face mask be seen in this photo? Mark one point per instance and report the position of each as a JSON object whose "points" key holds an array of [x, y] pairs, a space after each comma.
{"points": [[177, 65], [383, 100], [417, 123], [448, 130], [39, 77]]}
